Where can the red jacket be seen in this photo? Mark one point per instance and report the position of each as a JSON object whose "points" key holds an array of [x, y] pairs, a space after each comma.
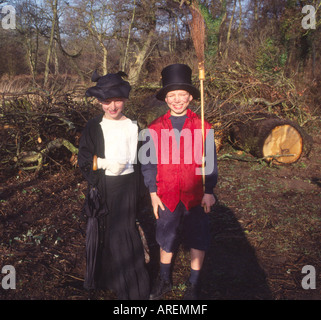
{"points": [[176, 171]]}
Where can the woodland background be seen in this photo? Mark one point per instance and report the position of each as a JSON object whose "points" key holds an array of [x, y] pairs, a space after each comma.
{"points": [[258, 58], [258, 38]]}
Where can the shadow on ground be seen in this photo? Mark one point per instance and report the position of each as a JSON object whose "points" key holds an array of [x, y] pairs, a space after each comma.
{"points": [[231, 269]]}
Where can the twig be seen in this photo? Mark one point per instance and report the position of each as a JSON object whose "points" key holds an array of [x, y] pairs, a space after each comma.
{"points": [[231, 157], [236, 93], [66, 274]]}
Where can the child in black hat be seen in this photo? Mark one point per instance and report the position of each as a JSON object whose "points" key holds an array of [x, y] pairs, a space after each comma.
{"points": [[107, 153], [174, 180]]}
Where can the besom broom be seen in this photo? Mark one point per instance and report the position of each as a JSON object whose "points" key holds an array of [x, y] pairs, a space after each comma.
{"points": [[197, 28]]}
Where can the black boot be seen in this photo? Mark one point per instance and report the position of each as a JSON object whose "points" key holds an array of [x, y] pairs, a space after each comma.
{"points": [[191, 292], [160, 288]]}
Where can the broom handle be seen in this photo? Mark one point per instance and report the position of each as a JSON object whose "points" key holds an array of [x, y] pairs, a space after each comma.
{"points": [[203, 131], [202, 78]]}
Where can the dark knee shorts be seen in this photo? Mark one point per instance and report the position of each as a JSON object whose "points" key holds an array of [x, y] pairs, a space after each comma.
{"points": [[192, 226]]}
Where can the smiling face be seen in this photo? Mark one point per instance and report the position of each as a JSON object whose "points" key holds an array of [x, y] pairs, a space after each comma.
{"points": [[178, 101], [113, 108]]}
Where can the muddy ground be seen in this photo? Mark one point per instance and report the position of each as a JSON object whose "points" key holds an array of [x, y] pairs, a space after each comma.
{"points": [[266, 226]]}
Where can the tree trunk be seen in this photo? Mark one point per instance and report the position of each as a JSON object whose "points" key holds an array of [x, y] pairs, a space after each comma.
{"points": [[270, 138], [128, 38], [230, 29], [105, 56], [141, 56], [239, 30], [32, 56], [51, 40], [56, 60]]}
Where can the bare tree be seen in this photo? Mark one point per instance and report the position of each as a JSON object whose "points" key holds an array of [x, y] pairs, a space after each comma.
{"points": [[129, 36], [239, 30], [143, 39], [30, 26], [54, 7], [97, 18], [230, 28]]}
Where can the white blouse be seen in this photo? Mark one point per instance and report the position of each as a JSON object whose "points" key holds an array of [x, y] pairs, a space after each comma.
{"points": [[121, 138]]}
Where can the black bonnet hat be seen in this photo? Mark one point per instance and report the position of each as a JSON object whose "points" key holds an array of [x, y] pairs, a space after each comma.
{"points": [[177, 77], [111, 85]]}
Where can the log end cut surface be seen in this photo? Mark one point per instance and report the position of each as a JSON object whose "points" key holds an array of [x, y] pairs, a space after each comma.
{"points": [[283, 140]]}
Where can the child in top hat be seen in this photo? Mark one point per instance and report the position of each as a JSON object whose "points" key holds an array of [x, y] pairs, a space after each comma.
{"points": [[178, 196], [107, 152]]}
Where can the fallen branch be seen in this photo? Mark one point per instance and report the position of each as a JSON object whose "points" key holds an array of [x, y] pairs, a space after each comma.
{"points": [[33, 156], [265, 102], [228, 156]]}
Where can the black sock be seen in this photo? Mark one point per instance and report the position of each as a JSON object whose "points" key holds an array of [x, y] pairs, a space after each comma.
{"points": [[164, 271], [194, 276]]}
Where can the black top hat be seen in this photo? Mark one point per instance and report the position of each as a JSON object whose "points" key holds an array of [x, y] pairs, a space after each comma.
{"points": [[111, 85], [177, 77]]}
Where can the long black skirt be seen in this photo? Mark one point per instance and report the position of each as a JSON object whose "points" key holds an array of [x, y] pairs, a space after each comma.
{"points": [[121, 263]]}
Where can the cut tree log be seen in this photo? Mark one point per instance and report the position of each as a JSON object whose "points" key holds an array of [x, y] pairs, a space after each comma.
{"points": [[270, 138]]}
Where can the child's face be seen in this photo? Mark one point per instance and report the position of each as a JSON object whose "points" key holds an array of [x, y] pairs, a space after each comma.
{"points": [[113, 108], [178, 101]]}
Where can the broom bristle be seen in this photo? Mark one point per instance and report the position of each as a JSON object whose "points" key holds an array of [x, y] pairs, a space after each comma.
{"points": [[197, 27]]}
